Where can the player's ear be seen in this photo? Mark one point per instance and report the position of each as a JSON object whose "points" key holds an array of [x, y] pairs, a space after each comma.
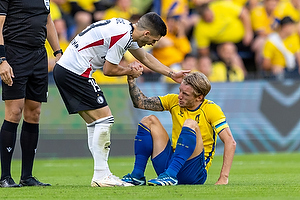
{"points": [[146, 33], [200, 98]]}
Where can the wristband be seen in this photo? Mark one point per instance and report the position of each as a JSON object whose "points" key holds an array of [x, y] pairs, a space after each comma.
{"points": [[2, 51], [57, 52]]}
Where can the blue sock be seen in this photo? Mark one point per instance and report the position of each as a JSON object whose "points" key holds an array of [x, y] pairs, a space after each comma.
{"points": [[143, 147], [184, 149]]}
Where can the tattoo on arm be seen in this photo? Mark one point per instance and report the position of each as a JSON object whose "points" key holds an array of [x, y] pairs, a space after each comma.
{"points": [[141, 101], [170, 74]]}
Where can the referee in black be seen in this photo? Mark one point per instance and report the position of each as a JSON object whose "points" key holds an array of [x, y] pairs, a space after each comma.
{"points": [[24, 27]]}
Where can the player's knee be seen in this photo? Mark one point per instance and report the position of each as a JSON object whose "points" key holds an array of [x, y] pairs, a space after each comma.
{"points": [[191, 124], [14, 115], [149, 120], [32, 116]]}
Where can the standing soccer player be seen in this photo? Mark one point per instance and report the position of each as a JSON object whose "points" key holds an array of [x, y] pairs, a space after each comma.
{"points": [[102, 45], [197, 122], [24, 27]]}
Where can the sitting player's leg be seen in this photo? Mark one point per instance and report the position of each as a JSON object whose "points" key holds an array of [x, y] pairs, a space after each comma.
{"points": [[194, 169], [151, 139], [189, 145]]}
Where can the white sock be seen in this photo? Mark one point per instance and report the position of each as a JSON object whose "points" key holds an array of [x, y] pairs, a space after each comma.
{"points": [[101, 146], [90, 131]]}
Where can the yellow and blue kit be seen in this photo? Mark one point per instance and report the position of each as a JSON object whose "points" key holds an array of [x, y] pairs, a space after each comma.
{"points": [[209, 116]]}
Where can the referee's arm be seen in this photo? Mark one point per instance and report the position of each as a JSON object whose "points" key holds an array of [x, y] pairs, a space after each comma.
{"points": [[52, 37], [6, 72]]}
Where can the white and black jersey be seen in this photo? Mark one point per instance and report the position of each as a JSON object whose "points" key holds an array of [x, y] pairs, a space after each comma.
{"points": [[103, 40], [25, 23]]}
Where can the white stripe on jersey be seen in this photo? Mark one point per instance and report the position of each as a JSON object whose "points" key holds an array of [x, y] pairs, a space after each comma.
{"points": [[103, 40]]}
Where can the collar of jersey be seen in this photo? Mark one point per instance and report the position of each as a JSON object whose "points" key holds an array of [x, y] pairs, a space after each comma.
{"points": [[196, 108]]}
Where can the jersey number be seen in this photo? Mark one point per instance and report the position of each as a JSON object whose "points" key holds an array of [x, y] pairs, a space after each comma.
{"points": [[100, 23], [94, 84]]}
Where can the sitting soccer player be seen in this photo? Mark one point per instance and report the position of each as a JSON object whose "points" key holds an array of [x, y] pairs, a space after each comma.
{"points": [[196, 124]]}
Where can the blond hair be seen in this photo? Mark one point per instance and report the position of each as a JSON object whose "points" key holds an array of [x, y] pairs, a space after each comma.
{"points": [[199, 83]]}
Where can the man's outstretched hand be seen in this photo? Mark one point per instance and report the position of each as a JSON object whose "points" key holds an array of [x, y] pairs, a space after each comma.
{"points": [[178, 76]]}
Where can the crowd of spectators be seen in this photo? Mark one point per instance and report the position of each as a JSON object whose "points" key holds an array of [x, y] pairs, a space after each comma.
{"points": [[228, 40]]}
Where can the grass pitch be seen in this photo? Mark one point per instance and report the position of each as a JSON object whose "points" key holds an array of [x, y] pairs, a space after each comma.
{"points": [[255, 176]]}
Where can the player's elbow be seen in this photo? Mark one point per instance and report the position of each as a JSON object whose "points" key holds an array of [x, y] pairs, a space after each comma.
{"points": [[107, 72], [233, 144], [230, 144]]}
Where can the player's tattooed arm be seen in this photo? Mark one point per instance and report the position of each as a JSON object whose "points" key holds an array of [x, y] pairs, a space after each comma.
{"points": [[141, 101]]}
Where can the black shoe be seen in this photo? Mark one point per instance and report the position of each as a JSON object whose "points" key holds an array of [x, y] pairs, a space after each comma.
{"points": [[32, 181], [8, 182]]}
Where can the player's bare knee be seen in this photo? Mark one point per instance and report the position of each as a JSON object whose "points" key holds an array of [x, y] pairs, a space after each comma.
{"points": [[191, 124], [14, 115], [32, 116], [149, 120]]}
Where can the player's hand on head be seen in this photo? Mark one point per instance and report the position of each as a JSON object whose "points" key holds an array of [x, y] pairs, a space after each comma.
{"points": [[178, 76], [6, 73]]}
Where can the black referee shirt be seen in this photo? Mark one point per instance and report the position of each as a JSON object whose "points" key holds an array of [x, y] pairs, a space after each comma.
{"points": [[25, 24]]}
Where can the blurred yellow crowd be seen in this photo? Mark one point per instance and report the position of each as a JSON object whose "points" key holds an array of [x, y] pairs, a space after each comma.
{"points": [[227, 40]]}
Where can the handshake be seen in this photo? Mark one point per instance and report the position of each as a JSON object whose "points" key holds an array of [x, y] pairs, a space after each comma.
{"points": [[136, 70]]}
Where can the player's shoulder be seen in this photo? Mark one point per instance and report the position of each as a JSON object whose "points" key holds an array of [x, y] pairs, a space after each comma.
{"points": [[208, 104], [170, 98], [120, 21]]}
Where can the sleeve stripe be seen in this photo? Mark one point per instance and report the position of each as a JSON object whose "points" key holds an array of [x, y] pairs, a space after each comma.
{"points": [[221, 124]]}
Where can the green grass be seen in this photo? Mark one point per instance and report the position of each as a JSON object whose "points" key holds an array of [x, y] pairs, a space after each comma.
{"points": [[255, 176]]}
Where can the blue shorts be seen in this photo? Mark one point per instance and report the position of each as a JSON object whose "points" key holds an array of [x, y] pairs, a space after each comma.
{"points": [[192, 172]]}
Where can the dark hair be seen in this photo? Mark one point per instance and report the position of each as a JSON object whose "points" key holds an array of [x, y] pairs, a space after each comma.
{"points": [[202, 8], [286, 20], [152, 22]]}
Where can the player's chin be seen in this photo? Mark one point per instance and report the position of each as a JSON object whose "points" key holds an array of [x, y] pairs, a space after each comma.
{"points": [[181, 104]]}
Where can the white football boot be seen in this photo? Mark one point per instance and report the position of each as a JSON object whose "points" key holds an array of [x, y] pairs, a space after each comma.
{"points": [[110, 181]]}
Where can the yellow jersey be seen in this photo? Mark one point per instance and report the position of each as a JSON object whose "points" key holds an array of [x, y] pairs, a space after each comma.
{"points": [[226, 26], [270, 51], [118, 13], [175, 53], [209, 116], [240, 2], [219, 73], [173, 8], [286, 8], [54, 11], [87, 5], [261, 21]]}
